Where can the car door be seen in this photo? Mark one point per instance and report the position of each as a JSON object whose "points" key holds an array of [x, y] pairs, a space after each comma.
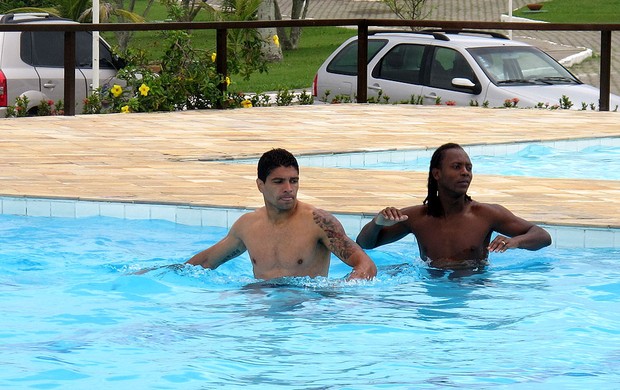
{"points": [[396, 77], [337, 77], [450, 79], [44, 51], [108, 62]]}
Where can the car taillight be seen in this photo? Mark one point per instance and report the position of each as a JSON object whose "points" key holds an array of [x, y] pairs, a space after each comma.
{"points": [[314, 85], [3, 90]]}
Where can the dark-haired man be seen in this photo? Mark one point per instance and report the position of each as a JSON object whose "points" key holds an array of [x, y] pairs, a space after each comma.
{"points": [[452, 230], [286, 237]]}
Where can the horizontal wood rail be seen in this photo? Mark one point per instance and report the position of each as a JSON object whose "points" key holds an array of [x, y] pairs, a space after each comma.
{"points": [[362, 25]]}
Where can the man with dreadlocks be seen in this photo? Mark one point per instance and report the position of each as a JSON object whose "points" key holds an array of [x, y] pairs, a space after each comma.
{"points": [[452, 230]]}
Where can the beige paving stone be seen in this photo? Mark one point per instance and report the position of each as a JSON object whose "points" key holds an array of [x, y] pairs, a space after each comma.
{"points": [[170, 157]]}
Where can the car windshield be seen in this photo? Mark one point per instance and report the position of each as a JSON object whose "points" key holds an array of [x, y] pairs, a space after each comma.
{"points": [[511, 65]]}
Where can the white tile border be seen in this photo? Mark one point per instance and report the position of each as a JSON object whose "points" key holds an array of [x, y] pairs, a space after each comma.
{"points": [[398, 156], [563, 236], [68, 208]]}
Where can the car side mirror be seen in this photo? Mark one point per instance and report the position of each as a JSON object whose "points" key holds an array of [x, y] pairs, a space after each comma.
{"points": [[118, 62], [461, 82]]}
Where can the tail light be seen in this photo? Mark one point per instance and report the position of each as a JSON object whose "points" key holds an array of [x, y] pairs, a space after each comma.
{"points": [[314, 85], [3, 90]]}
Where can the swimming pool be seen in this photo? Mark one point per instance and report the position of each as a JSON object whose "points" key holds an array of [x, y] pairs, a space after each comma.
{"points": [[74, 316], [596, 158]]}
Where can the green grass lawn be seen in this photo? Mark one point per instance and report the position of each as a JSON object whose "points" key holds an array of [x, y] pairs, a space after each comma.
{"points": [[295, 71], [298, 67], [574, 11]]}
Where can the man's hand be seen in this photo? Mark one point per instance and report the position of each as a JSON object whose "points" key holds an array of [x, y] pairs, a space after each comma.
{"points": [[366, 270], [390, 216], [501, 243]]}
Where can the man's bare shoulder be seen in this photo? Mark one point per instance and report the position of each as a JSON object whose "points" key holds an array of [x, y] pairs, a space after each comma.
{"points": [[307, 210], [323, 219], [491, 208], [415, 211], [248, 220]]}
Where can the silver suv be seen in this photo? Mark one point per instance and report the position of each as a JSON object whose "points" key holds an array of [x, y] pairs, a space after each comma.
{"points": [[32, 63], [456, 68]]}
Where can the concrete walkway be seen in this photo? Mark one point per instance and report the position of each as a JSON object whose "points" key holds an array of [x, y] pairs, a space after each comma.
{"points": [[168, 158]]}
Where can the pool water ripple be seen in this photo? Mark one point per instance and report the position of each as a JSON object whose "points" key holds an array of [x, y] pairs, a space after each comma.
{"points": [[596, 159], [75, 316]]}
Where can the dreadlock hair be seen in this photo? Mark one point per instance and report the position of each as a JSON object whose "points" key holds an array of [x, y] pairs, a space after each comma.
{"points": [[432, 199], [273, 159]]}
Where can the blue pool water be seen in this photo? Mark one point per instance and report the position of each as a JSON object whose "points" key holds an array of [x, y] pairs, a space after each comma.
{"points": [[74, 317], [554, 160]]}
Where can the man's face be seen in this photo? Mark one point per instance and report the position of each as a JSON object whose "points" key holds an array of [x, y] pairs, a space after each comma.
{"points": [[455, 172], [280, 187]]}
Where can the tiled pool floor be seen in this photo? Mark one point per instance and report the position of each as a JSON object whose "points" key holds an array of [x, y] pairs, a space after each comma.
{"points": [[163, 158]]}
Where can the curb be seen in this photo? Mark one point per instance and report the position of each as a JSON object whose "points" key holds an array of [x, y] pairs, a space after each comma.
{"points": [[573, 59]]}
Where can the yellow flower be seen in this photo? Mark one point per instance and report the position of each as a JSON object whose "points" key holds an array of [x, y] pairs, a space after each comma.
{"points": [[125, 109], [213, 57], [116, 90], [227, 81], [144, 89], [276, 40], [246, 103]]}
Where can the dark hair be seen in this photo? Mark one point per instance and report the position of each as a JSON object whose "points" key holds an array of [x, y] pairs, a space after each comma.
{"points": [[432, 199], [273, 159]]}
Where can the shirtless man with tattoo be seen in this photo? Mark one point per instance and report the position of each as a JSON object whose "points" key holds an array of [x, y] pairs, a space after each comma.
{"points": [[286, 237], [452, 230]]}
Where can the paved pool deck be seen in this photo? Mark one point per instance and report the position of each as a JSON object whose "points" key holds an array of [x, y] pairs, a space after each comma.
{"points": [[169, 158]]}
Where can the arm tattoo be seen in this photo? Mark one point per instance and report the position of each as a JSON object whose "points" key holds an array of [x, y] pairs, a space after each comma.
{"points": [[339, 243], [233, 254]]}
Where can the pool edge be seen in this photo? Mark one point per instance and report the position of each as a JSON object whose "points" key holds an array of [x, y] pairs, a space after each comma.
{"points": [[564, 236]]}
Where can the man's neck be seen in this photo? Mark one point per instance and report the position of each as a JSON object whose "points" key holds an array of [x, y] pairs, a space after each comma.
{"points": [[453, 205], [277, 216]]}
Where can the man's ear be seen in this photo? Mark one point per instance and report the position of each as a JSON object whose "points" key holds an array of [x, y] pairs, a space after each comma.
{"points": [[435, 173], [260, 185]]}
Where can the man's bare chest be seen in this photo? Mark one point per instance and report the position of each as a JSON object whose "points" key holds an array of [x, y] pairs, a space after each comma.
{"points": [[456, 238]]}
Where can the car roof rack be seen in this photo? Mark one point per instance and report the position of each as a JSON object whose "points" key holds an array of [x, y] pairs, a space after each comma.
{"points": [[27, 17], [441, 33], [396, 31]]}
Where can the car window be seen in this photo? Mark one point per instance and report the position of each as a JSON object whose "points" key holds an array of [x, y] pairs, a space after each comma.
{"points": [[46, 48], [448, 64], [520, 65], [402, 63], [345, 62]]}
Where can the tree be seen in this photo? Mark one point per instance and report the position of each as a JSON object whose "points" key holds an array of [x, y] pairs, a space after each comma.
{"points": [[120, 13], [408, 9], [70, 9], [81, 10], [245, 45], [299, 10], [7, 6], [187, 10], [271, 42]]}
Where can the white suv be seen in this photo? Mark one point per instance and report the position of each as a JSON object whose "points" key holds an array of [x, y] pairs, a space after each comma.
{"points": [[32, 63], [457, 68]]}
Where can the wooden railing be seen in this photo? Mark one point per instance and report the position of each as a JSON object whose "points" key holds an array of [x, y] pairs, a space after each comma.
{"points": [[362, 26]]}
